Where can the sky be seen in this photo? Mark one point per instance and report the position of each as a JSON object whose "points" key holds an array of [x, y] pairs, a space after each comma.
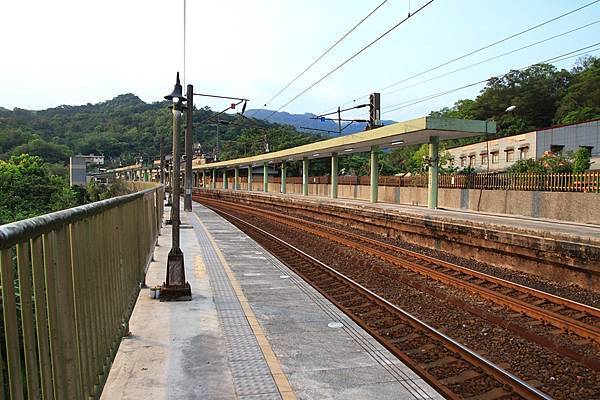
{"points": [[76, 52]]}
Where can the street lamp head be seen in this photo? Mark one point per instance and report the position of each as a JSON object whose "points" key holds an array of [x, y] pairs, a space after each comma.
{"points": [[177, 94], [510, 109]]}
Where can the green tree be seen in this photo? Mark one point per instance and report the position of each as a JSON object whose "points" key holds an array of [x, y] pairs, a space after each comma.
{"points": [[581, 101], [581, 159], [28, 189]]}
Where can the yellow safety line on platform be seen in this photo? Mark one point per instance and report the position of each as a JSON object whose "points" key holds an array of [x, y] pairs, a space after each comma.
{"points": [[283, 385]]}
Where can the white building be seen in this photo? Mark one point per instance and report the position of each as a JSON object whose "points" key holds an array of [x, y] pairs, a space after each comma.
{"points": [[503, 152], [78, 168]]}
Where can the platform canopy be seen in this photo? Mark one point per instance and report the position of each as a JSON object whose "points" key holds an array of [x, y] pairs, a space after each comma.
{"points": [[415, 131]]}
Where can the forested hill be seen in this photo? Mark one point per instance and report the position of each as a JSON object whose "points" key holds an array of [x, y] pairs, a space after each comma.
{"points": [[126, 128], [310, 121]]}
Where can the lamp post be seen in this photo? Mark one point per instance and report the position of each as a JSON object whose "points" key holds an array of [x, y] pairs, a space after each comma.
{"points": [[175, 288]]}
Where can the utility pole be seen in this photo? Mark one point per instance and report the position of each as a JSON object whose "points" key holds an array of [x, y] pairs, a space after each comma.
{"points": [[339, 122], [187, 196], [374, 111], [217, 149], [162, 159]]}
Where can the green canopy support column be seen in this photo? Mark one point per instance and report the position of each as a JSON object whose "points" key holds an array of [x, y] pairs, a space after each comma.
{"points": [[225, 184], [249, 178], [283, 176], [334, 175], [374, 174], [213, 182], [265, 177], [236, 179], [305, 176], [432, 183], [204, 179]]}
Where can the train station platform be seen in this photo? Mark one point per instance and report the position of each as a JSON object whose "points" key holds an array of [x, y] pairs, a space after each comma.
{"points": [[253, 330]]}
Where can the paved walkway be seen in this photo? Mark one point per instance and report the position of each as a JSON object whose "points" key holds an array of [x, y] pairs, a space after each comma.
{"points": [[254, 330]]}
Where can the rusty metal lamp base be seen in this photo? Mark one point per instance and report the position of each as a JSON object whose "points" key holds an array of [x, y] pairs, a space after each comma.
{"points": [[179, 291], [176, 293]]}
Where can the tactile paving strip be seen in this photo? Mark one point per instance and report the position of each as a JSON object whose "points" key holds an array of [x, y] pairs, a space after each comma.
{"points": [[252, 378], [374, 349]]}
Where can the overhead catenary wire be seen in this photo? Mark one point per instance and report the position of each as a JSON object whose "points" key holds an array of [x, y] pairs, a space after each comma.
{"points": [[352, 57], [478, 50], [321, 56], [493, 58], [558, 58]]}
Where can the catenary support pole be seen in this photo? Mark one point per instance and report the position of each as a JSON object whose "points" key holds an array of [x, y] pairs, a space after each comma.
{"points": [[305, 176], [283, 176], [187, 195], [334, 175], [374, 174], [432, 183]]}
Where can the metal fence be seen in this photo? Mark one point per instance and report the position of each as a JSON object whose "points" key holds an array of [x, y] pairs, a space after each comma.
{"points": [[566, 182], [69, 283]]}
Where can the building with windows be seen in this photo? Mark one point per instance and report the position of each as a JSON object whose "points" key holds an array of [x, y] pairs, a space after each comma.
{"points": [[499, 154], [78, 168]]}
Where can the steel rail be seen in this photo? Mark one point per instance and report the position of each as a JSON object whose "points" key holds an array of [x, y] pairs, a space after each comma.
{"points": [[519, 386], [560, 321]]}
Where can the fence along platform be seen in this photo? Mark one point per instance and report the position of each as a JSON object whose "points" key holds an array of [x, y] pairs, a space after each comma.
{"points": [[69, 282]]}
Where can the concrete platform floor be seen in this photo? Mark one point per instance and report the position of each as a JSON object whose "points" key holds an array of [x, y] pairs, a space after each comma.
{"points": [[254, 330]]}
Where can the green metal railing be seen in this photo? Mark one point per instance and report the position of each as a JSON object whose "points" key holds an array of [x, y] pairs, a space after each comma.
{"points": [[70, 280]]}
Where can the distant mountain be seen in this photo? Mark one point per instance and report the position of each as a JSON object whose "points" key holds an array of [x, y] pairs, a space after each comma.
{"points": [[304, 121]]}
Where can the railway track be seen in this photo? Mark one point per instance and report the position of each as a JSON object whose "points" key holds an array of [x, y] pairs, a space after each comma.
{"points": [[454, 370], [565, 314]]}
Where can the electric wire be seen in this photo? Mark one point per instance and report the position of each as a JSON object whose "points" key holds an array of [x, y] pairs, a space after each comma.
{"points": [[321, 56], [351, 58], [476, 51], [558, 58], [492, 58]]}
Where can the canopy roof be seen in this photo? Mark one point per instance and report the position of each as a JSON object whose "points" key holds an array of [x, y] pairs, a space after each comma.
{"points": [[416, 131]]}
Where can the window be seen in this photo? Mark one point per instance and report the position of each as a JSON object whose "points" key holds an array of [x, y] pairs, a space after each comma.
{"points": [[472, 160], [510, 155], [463, 160], [495, 157], [451, 162], [556, 149], [484, 159], [523, 153]]}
